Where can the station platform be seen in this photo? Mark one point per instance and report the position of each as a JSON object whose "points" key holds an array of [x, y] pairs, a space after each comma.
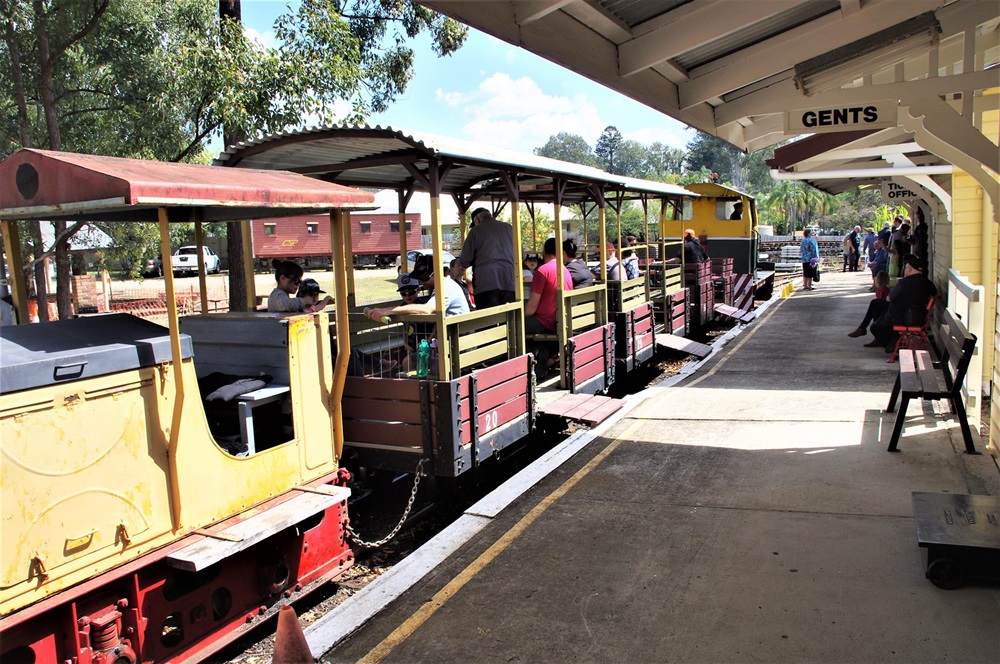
{"points": [[746, 511]]}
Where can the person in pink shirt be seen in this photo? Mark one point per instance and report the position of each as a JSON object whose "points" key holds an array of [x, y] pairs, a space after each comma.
{"points": [[540, 311]]}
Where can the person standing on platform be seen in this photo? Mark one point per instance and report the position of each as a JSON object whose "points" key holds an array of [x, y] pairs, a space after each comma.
{"points": [[855, 237], [489, 251], [868, 246], [809, 252]]}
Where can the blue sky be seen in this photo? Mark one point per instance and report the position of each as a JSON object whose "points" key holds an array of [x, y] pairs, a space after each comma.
{"points": [[497, 95]]}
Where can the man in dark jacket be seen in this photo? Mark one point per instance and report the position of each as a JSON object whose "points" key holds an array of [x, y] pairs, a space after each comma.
{"points": [[856, 240], [907, 304]]}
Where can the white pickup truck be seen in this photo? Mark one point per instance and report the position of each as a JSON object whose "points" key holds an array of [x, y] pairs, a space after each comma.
{"points": [[185, 261]]}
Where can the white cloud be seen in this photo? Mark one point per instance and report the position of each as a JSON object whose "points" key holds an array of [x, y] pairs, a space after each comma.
{"points": [[675, 135], [265, 39], [517, 114]]}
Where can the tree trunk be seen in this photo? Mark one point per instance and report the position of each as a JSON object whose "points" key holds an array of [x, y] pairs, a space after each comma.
{"points": [[15, 71], [46, 65], [41, 281], [231, 10]]}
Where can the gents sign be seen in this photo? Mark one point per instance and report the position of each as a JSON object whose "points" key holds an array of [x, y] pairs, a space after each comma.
{"points": [[876, 115], [892, 192]]}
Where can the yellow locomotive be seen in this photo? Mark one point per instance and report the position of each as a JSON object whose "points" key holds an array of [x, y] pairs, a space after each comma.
{"points": [[130, 533]]}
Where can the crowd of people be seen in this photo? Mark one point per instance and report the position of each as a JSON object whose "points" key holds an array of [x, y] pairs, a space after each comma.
{"points": [[896, 256], [488, 252]]}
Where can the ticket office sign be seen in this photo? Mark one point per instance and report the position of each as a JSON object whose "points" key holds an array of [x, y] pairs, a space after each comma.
{"points": [[851, 117], [893, 193]]}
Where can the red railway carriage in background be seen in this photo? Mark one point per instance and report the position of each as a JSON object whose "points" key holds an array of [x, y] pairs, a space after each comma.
{"points": [[374, 240]]}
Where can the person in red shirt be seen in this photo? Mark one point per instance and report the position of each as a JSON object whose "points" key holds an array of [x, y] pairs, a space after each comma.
{"points": [[540, 311]]}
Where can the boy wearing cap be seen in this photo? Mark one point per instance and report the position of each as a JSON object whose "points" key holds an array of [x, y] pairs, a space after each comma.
{"points": [[309, 292]]}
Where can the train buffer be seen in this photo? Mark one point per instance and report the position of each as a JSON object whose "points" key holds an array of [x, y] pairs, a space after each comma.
{"points": [[588, 409], [673, 342]]}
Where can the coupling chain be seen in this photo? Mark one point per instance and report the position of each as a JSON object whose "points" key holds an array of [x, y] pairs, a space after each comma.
{"points": [[406, 512]]}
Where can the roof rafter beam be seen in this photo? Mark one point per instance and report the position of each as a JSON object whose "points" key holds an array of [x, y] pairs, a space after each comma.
{"points": [[533, 10], [784, 51], [694, 24]]}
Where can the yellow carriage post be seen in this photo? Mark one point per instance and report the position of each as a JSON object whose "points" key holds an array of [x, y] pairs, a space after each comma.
{"points": [[15, 268]]}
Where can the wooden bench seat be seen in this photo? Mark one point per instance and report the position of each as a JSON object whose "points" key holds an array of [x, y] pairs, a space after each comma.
{"points": [[921, 378]]}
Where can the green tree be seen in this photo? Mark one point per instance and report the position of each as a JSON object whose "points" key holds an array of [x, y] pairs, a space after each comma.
{"points": [[159, 80], [567, 147], [663, 161], [607, 147]]}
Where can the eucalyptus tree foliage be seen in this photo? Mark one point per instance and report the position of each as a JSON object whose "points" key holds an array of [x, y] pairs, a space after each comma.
{"points": [[744, 171], [568, 147], [152, 79]]}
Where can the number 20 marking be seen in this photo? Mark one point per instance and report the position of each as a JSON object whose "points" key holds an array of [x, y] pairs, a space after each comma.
{"points": [[490, 420]]}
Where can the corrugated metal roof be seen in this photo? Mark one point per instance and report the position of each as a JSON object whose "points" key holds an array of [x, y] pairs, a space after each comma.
{"points": [[43, 184], [757, 32], [384, 157], [635, 12]]}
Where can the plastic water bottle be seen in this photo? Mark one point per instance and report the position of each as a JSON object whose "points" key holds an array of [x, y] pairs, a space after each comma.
{"points": [[434, 357], [385, 320], [423, 358]]}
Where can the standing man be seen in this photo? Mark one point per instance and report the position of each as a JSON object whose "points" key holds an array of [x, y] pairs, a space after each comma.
{"points": [[855, 247], [489, 251]]}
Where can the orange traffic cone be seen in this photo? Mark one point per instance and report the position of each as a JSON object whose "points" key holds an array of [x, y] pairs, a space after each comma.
{"points": [[290, 645]]}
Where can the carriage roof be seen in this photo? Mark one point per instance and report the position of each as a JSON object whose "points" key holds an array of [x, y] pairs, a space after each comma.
{"points": [[44, 184]]}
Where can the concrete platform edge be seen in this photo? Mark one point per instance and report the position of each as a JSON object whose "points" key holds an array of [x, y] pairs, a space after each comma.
{"points": [[330, 630]]}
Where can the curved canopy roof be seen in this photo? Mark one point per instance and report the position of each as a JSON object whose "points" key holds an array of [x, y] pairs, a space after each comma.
{"points": [[43, 184], [733, 68], [388, 158]]}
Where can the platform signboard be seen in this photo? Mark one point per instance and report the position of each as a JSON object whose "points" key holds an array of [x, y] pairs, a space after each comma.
{"points": [[893, 193], [848, 117]]}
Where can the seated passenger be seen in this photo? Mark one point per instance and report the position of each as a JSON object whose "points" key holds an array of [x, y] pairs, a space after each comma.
{"points": [[540, 311], [577, 268], [528, 267], [455, 302], [309, 292], [614, 265], [288, 274]]}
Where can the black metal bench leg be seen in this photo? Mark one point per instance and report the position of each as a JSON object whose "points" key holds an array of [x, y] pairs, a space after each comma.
{"points": [[963, 421], [892, 397], [897, 428]]}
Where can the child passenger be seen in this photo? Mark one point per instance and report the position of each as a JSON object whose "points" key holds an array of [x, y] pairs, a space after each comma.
{"points": [[309, 292]]}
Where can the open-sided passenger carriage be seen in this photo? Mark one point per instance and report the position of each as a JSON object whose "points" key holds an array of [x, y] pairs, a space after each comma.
{"points": [[482, 398], [130, 533]]}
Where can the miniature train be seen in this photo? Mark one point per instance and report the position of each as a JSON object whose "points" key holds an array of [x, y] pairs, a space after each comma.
{"points": [[145, 520]]}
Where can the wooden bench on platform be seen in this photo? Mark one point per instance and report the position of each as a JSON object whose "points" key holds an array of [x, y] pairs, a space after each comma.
{"points": [[921, 378]]}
